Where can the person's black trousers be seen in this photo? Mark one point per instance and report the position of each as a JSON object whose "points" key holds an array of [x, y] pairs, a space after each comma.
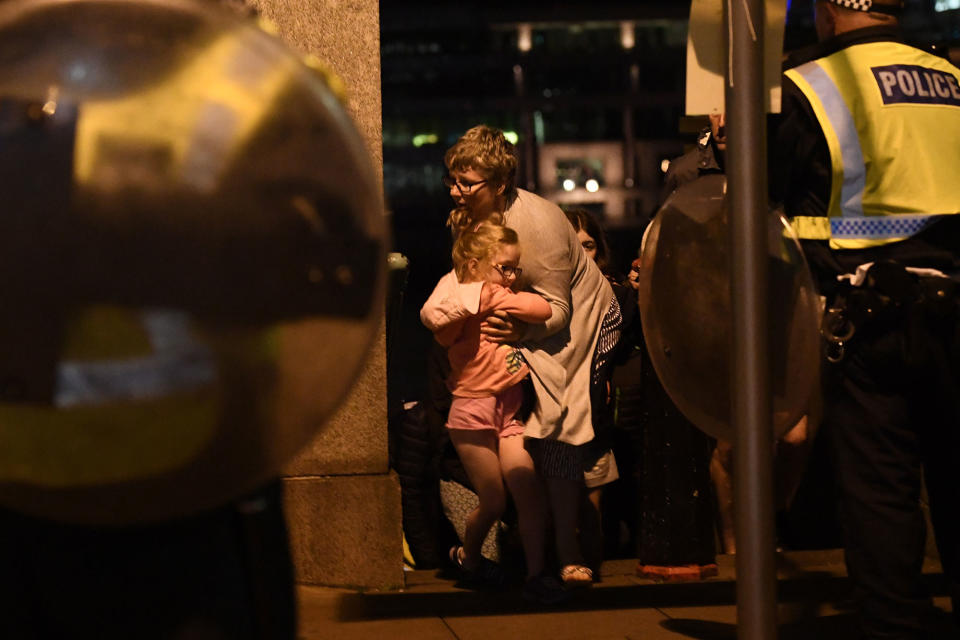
{"points": [[892, 411]]}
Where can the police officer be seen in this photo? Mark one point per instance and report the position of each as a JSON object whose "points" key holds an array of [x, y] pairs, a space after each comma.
{"points": [[705, 158], [865, 159]]}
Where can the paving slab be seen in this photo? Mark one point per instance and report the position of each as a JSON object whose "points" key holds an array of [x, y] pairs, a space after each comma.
{"points": [[334, 614], [563, 625]]}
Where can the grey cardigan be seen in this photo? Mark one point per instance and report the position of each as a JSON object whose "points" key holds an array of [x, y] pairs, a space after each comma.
{"points": [[560, 351]]}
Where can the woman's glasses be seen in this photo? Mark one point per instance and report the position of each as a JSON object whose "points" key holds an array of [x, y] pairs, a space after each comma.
{"points": [[465, 188]]}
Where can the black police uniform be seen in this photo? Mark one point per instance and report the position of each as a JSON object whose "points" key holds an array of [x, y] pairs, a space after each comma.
{"points": [[892, 396]]}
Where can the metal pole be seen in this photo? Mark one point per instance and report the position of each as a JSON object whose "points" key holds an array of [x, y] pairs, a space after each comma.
{"points": [[529, 164], [630, 145], [752, 414]]}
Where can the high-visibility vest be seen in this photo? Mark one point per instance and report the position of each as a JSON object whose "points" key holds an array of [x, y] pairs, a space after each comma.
{"points": [[891, 116]]}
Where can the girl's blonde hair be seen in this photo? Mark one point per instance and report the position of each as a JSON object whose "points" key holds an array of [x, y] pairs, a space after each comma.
{"points": [[459, 220], [479, 242]]}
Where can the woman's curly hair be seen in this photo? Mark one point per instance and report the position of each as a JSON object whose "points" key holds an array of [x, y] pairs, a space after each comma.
{"points": [[486, 150]]}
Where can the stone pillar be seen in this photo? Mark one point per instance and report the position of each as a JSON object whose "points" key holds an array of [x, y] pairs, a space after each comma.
{"points": [[342, 501]]}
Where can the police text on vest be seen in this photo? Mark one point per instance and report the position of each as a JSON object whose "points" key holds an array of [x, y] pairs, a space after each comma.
{"points": [[900, 83]]}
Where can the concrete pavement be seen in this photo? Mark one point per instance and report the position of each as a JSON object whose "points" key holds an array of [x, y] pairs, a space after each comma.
{"points": [[813, 596]]}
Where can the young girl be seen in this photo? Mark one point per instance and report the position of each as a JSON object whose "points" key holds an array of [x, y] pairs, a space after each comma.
{"points": [[485, 382]]}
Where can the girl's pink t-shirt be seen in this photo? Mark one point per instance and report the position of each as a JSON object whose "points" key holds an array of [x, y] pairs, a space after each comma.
{"points": [[479, 367]]}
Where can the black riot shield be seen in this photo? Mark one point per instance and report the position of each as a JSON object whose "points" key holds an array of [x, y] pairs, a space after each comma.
{"points": [[685, 310], [192, 248]]}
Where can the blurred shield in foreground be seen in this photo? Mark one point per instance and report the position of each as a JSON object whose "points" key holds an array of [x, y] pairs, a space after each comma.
{"points": [[192, 249], [685, 309]]}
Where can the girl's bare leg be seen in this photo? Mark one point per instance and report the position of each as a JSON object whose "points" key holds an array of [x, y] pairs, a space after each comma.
{"points": [[478, 453], [528, 495]]}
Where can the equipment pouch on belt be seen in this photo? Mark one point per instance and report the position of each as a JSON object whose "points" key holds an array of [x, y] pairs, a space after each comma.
{"points": [[888, 289]]}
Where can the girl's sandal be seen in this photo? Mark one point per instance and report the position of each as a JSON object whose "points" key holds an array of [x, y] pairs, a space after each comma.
{"points": [[576, 575], [486, 574], [456, 557]]}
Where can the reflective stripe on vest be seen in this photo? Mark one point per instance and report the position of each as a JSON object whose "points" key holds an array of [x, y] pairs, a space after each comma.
{"points": [[884, 186], [845, 131], [901, 226]]}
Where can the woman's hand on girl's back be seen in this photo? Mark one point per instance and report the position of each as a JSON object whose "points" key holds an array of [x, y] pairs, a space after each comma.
{"points": [[501, 327]]}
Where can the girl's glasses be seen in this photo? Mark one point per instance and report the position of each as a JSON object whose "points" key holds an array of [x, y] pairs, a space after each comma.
{"points": [[507, 271]]}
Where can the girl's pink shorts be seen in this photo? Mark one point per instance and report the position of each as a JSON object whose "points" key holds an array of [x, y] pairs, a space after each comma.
{"points": [[493, 412]]}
